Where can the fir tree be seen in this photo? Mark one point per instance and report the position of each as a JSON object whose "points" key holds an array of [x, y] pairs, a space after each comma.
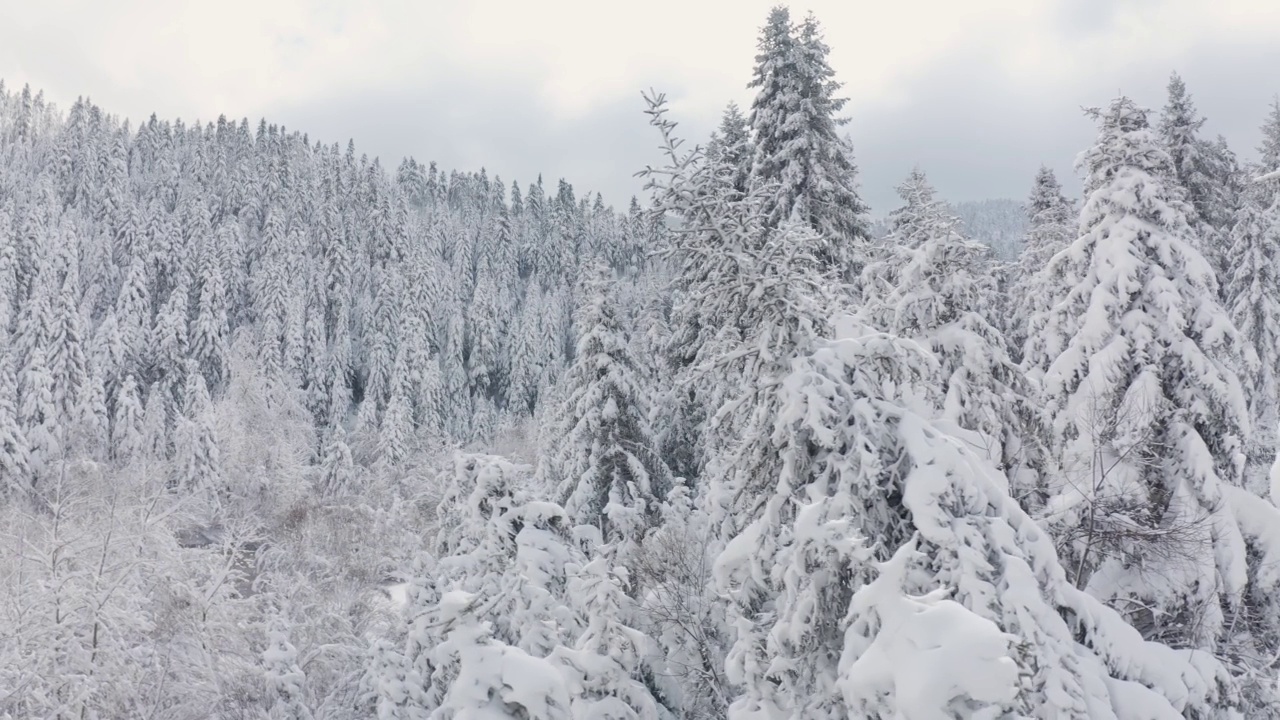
{"points": [[730, 148], [38, 414], [608, 670], [1255, 302], [284, 678], [15, 462], [1052, 225], [484, 677], [1269, 150], [198, 462], [602, 455], [128, 434], [941, 297], [338, 469], [799, 157], [1193, 161], [1148, 413]]}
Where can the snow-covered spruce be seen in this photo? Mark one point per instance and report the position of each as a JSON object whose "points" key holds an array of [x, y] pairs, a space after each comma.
{"points": [[1206, 171], [1140, 370], [599, 448], [802, 167], [1051, 227], [933, 286], [1254, 303]]}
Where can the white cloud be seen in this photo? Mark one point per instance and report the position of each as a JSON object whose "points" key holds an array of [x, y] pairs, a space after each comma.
{"points": [[581, 59]]}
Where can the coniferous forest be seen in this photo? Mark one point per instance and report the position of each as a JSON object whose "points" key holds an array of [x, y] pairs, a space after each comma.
{"points": [[289, 433]]}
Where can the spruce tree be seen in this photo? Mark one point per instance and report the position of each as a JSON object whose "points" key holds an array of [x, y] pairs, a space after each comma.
{"points": [[730, 147], [15, 462], [1051, 227], [801, 164], [198, 466], [1207, 187], [480, 676], [38, 413], [602, 455], [67, 357], [285, 678], [337, 469], [608, 670], [128, 434], [1254, 304], [210, 331], [941, 296], [1148, 414], [1269, 150], [134, 316]]}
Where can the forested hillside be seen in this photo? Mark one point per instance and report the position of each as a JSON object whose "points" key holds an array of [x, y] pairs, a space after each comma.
{"points": [[285, 433], [998, 224]]}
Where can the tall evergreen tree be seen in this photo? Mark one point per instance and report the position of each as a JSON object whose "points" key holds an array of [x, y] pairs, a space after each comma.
{"points": [[1196, 172], [128, 434], [603, 455], [798, 154], [1051, 227], [285, 678], [15, 461], [941, 296], [731, 147], [1269, 150], [1254, 303], [821, 469], [1148, 412], [38, 413]]}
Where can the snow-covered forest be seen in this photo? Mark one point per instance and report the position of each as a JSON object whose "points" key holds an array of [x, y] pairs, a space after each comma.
{"points": [[288, 433]]}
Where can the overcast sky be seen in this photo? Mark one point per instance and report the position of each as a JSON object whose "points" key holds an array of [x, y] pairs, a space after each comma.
{"points": [[978, 93]]}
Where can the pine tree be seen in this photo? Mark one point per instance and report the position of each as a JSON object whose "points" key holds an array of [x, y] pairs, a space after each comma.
{"points": [[198, 464], [338, 469], [799, 157], [1255, 304], [68, 361], [1051, 227], [607, 670], [107, 355], [38, 414], [128, 434], [396, 431], [15, 462], [911, 223], [1193, 168], [133, 314], [9, 285], [941, 296], [90, 428], [210, 331], [730, 148], [1269, 150], [602, 455], [1148, 413], [816, 449], [169, 339], [494, 540], [481, 676], [157, 425]]}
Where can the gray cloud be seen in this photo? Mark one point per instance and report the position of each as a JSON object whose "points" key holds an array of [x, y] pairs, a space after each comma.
{"points": [[977, 94], [978, 135]]}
